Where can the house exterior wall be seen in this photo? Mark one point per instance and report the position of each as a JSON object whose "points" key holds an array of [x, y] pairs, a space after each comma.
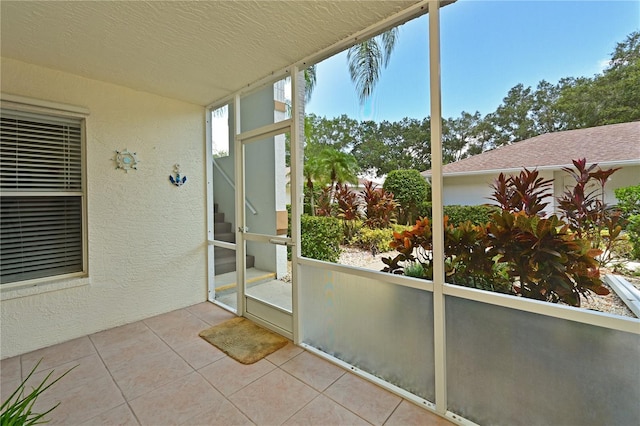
{"points": [[466, 190], [146, 238], [626, 176], [475, 189]]}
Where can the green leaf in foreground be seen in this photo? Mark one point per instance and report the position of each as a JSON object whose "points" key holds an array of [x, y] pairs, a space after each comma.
{"points": [[17, 409]]}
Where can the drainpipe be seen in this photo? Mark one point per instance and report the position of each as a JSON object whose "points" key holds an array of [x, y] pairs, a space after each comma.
{"points": [[437, 215]]}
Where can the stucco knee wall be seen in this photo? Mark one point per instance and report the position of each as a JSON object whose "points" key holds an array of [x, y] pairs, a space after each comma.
{"points": [[146, 238]]}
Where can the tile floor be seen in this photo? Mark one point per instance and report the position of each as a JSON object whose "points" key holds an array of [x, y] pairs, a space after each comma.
{"points": [[159, 372]]}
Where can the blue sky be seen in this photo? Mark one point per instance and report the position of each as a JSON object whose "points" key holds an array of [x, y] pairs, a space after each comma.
{"points": [[487, 47]]}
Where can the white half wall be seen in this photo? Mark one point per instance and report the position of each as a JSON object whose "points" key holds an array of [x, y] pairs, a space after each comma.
{"points": [[147, 238]]}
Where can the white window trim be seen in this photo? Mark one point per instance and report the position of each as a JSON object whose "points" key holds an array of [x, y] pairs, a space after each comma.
{"points": [[43, 285], [23, 103], [58, 282]]}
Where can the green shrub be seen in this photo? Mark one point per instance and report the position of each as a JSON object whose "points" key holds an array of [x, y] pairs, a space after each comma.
{"points": [[376, 240], [628, 200], [415, 270], [477, 215], [321, 237], [424, 209], [633, 231], [409, 189]]}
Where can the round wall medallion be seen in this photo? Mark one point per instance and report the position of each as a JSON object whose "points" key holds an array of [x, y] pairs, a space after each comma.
{"points": [[126, 160]]}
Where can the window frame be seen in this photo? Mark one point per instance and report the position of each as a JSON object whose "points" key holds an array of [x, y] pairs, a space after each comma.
{"points": [[54, 110]]}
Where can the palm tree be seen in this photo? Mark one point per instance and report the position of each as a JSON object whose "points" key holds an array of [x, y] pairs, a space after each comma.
{"points": [[365, 61], [312, 173], [338, 166]]}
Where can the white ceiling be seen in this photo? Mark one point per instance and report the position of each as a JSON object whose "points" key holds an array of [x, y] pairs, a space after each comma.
{"points": [[198, 52]]}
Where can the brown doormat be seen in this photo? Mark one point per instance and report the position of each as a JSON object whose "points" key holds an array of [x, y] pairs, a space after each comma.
{"points": [[243, 340]]}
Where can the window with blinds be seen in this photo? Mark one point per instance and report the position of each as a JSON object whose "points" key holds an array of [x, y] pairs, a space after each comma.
{"points": [[41, 203]]}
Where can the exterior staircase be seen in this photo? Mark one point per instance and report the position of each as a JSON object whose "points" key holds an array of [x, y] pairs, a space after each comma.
{"points": [[225, 259]]}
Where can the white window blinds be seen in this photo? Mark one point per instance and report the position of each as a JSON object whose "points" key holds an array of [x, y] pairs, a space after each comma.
{"points": [[42, 198], [40, 153]]}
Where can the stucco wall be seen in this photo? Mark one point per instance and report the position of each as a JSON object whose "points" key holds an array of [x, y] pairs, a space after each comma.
{"points": [[147, 238]]}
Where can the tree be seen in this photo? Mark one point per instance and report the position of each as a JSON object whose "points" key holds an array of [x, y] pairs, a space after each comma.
{"points": [[458, 135], [409, 189], [338, 166], [311, 173], [610, 97], [513, 118], [340, 133], [546, 115], [388, 146], [367, 59]]}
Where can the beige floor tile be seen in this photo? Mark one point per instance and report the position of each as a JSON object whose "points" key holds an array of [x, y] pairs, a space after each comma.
{"points": [[7, 387], [324, 411], [10, 369], [313, 370], [117, 355], [168, 320], [120, 415], [115, 337], [274, 398], [55, 355], [177, 401], [229, 376], [180, 330], [283, 355], [224, 414], [408, 413], [367, 400], [146, 374], [210, 313], [81, 403], [199, 353], [81, 372]]}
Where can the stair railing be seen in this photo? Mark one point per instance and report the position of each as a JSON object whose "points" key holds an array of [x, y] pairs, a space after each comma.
{"points": [[233, 186]]}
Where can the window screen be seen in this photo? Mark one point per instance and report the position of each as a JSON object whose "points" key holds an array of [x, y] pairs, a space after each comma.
{"points": [[42, 198]]}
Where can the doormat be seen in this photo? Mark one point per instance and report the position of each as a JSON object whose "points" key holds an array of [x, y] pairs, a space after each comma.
{"points": [[243, 340]]}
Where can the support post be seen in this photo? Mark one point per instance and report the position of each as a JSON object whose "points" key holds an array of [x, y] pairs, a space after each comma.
{"points": [[437, 203]]}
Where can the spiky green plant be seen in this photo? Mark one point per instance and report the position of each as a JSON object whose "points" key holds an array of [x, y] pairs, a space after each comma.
{"points": [[17, 410]]}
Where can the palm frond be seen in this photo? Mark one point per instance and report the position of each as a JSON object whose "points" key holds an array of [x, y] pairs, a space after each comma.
{"points": [[364, 67], [367, 59], [310, 79], [389, 39]]}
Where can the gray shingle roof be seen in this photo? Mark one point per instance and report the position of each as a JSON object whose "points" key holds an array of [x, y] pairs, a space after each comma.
{"points": [[614, 143]]}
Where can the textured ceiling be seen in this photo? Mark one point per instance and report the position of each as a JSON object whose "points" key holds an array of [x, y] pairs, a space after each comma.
{"points": [[199, 52]]}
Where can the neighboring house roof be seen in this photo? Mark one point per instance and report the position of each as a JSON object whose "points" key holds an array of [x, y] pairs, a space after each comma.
{"points": [[605, 145]]}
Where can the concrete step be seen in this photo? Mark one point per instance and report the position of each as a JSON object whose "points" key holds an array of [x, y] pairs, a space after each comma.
{"points": [[226, 283], [223, 252], [221, 228], [228, 237], [228, 264]]}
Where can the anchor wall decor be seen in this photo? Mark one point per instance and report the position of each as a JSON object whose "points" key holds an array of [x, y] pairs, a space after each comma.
{"points": [[178, 180]]}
